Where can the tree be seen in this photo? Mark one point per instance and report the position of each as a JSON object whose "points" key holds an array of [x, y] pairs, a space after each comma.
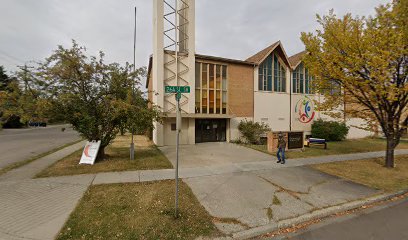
{"points": [[90, 94], [23, 100], [4, 79], [10, 103], [368, 58]]}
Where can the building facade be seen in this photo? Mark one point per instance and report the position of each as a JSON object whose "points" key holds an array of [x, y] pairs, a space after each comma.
{"points": [[268, 87]]}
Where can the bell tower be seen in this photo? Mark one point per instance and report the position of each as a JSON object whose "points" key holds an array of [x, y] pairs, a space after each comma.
{"points": [[173, 63]]}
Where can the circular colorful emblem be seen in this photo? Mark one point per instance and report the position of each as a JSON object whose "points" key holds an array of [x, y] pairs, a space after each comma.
{"points": [[305, 108]]}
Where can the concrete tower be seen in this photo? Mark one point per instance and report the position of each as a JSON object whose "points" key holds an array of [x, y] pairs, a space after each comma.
{"points": [[174, 30]]}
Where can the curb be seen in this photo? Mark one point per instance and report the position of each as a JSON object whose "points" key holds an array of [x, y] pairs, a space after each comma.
{"points": [[254, 232]]}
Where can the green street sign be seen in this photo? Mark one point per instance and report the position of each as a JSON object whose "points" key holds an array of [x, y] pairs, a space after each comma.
{"points": [[177, 89]]}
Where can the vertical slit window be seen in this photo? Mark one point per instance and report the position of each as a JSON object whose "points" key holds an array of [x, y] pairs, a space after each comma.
{"points": [[275, 73], [282, 79], [224, 78], [307, 87], [204, 100], [197, 101], [197, 75], [301, 78], [218, 102], [224, 102], [211, 106], [269, 72], [218, 77], [211, 75], [204, 75]]}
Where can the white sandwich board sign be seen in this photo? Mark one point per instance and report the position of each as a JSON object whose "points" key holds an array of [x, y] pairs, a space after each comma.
{"points": [[90, 152]]}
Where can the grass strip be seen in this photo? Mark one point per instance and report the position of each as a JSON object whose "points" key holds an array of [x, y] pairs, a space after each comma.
{"points": [[138, 211], [371, 172], [147, 156]]}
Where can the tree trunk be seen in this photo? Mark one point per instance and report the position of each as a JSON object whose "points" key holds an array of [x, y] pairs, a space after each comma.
{"points": [[101, 153], [389, 155]]}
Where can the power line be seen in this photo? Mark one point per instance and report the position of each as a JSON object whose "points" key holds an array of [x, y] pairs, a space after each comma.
{"points": [[12, 57]]}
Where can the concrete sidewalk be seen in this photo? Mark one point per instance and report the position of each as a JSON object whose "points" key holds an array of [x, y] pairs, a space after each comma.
{"points": [[28, 171], [191, 172], [261, 195], [37, 209]]}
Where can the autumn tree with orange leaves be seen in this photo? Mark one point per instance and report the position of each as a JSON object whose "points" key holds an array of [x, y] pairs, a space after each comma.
{"points": [[368, 58]]}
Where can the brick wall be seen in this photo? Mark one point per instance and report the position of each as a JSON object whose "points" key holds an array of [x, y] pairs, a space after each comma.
{"points": [[241, 90]]}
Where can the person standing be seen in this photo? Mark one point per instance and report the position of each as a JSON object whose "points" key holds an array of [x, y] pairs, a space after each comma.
{"points": [[281, 148]]}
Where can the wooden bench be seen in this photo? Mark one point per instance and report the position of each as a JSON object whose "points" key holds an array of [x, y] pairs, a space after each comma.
{"points": [[317, 141]]}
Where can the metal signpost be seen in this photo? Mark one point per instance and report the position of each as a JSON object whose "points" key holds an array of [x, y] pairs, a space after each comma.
{"points": [[178, 90]]}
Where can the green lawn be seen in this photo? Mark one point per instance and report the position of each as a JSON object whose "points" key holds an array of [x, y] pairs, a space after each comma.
{"points": [[138, 211], [371, 172], [333, 148], [147, 156]]}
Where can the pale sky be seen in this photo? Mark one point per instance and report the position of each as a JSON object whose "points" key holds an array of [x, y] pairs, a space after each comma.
{"points": [[31, 29]]}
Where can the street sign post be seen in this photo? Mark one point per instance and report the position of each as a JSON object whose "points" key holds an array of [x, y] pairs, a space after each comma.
{"points": [[178, 90]]}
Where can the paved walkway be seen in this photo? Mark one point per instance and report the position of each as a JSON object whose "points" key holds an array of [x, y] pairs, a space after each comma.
{"points": [[190, 172], [213, 153], [28, 171], [37, 208]]}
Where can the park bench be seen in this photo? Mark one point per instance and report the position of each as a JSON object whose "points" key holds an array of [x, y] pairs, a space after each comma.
{"points": [[316, 141]]}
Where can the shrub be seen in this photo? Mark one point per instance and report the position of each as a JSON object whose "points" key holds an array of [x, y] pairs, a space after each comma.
{"points": [[253, 131], [236, 141], [13, 122], [329, 130]]}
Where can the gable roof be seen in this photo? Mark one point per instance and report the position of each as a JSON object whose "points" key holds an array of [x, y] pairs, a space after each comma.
{"points": [[296, 59], [261, 55]]}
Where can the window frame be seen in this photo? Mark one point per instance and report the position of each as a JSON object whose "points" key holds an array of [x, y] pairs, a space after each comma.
{"points": [[301, 80], [273, 68], [221, 90]]}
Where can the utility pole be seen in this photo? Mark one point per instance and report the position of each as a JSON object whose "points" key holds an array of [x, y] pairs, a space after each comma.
{"points": [[132, 144]]}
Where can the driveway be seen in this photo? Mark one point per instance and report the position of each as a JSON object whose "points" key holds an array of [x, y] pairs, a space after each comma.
{"points": [[265, 195], [20, 144], [211, 154], [244, 200]]}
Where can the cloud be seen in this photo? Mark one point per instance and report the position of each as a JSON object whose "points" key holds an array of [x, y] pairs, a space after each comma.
{"points": [[30, 30]]}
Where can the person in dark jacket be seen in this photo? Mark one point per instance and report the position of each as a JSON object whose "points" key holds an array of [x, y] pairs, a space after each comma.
{"points": [[281, 148]]}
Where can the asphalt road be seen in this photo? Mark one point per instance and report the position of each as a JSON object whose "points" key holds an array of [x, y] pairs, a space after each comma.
{"points": [[20, 144], [386, 223]]}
